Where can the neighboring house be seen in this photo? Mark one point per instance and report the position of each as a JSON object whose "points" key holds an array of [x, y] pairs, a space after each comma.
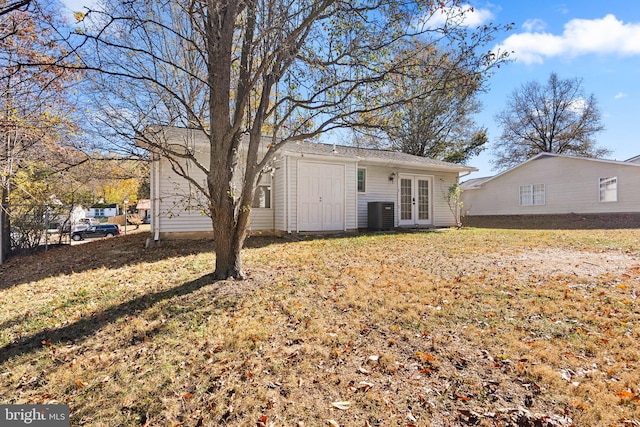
{"points": [[556, 184], [313, 188], [103, 210], [635, 159], [143, 208]]}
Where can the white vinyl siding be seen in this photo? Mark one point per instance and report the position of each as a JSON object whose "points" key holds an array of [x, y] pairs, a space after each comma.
{"points": [[571, 186], [262, 214], [381, 189], [609, 189], [532, 195], [178, 207], [182, 208]]}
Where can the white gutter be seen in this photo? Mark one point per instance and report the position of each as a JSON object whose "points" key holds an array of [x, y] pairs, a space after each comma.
{"points": [[419, 165], [468, 173]]}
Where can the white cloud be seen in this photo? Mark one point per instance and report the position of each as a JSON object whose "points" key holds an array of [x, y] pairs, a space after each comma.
{"points": [[578, 105], [532, 25], [464, 15], [607, 36], [620, 95]]}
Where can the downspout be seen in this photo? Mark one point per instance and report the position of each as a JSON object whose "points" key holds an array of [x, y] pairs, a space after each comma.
{"points": [[271, 193], [156, 201], [287, 202], [357, 199], [346, 197]]}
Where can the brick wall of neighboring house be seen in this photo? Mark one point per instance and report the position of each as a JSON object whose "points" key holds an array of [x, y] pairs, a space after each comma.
{"points": [[553, 222]]}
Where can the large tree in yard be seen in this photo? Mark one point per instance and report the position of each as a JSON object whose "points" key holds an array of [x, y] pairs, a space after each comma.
{"points": [[553, 118], [434, 115], [436, 121], [237, 69], [34, 112]]}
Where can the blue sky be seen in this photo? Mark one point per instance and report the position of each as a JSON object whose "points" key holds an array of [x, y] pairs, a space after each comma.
{"points": [[596, 41]]}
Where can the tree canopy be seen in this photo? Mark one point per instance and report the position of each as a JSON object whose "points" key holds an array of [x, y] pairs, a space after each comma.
{"points": [[35, 115], [235, 70], [553, 118], [436, 121]]}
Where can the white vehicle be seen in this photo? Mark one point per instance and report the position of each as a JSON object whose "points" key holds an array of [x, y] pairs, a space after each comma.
{"points": [[84, 223]]}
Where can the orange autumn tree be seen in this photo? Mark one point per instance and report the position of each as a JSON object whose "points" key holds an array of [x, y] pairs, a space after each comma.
{"points": [[34, 113]]}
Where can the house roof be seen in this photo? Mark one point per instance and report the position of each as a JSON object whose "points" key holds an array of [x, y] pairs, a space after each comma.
{"points": [[104, 205], [476, 183], [144, 204], [633, 159], [385, 157]]}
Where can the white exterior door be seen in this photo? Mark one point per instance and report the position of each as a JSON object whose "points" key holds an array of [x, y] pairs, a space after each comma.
{"points": [[321, 197], [414, 199]]}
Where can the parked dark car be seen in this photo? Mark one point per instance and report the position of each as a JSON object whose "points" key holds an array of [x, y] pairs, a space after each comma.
{"points": [[101, 230]]}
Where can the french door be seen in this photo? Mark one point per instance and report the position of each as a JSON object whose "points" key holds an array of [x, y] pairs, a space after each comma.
{"points": [[415, 200]]}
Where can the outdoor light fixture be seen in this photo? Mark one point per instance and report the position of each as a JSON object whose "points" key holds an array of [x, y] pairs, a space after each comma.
{"points": [[392, 176]]}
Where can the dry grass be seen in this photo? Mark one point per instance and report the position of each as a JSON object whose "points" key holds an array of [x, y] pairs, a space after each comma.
{"points": [[468, 327]]}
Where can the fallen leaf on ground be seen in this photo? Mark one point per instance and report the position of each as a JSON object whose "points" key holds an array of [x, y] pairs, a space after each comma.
{"points": [[344, 405]]}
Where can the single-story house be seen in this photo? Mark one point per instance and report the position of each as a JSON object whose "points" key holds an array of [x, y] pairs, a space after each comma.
{"points": [[102, 210], [314, 187], [556, 184], [143, 208]]}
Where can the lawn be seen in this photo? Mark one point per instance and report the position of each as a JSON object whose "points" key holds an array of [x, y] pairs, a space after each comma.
{"points": [[450, 328]]}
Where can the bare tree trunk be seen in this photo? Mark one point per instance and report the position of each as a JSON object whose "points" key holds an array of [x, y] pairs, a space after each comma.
{"points": [[5, 224], [228, 243]]}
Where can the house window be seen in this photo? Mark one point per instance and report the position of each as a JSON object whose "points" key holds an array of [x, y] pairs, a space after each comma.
{"points": [[99, 212], [362, 178], [532, 195], [262, 197], [609, 189]]}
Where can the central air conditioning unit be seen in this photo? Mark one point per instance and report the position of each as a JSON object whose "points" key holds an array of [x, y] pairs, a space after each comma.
{"points": [[381, 215]]}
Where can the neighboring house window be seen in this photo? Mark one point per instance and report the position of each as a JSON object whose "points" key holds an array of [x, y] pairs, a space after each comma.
{"points": [[609, 189], [362, 180], [99, 212], [262, 197], [532, 195]]}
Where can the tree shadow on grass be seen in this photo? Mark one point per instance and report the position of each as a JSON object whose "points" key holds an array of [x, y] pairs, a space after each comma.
{"points": [[117, 252], [109, 253], [85, 327]]}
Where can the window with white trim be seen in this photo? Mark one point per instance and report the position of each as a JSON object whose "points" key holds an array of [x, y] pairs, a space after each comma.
{"points": [[362, 180], [609, 189], [262, 196], [532, 195]]}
